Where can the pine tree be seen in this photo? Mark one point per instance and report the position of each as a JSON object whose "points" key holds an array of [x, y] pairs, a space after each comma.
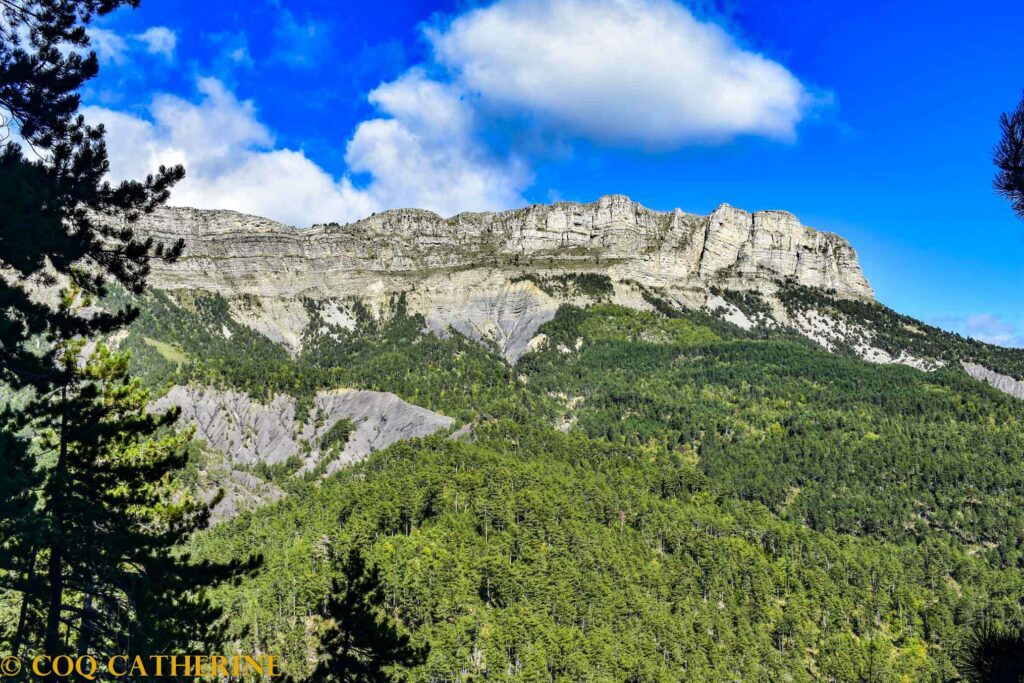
{"points": [[61, 221], [992, 654], [89, 515], [113, 513], [360, 645], [19, 531], [1009, 158]]}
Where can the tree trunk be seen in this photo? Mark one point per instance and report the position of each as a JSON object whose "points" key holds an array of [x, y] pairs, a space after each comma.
{"points": [[26, 595], [55, 574], [55, 570], [86, 625]]}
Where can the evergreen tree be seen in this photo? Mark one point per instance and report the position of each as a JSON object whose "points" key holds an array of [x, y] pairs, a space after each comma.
{"points": [[992, 654], [89, 516], [61, 221], [1009, 158], [360, 645], [112, 516], [19, 532]]}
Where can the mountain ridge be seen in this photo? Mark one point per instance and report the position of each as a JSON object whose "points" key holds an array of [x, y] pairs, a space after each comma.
{"points": [[478, 273], [687, 445], [614, 234], [497, 277]]}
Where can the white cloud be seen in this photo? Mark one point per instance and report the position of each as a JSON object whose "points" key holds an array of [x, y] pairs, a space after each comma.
{"points": [[627, 72], [624, 72], [426, 153], [108, 46], [112, 48], [992, 329], [229, 156], [421, 154], [159, 40]]}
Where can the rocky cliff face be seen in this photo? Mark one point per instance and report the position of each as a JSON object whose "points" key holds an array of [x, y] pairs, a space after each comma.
{"points": [[461, 272], [246, 433], [234, 253]]}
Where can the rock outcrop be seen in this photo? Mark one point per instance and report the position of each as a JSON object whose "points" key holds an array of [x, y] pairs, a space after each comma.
{"points": [[243, 433], [241, 491], [248, 432], [742, 249], [460, 272], [1004, 383]]}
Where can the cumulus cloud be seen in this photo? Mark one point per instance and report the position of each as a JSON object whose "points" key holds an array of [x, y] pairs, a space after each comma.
{"points": [[229, 156], [624, 72], [425, 152], [642, 73], [159, 40], [420, 153]]}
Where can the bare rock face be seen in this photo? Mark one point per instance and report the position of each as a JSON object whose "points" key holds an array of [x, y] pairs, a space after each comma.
{"points": [[744, 251], [242, 491], [235, 254], [244, 433], [248, 432], [1004, 383], [380, 419], [459, 272], [507, 314]]}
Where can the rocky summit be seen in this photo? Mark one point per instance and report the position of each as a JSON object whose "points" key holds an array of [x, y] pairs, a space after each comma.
{"points": [[478, 273]]}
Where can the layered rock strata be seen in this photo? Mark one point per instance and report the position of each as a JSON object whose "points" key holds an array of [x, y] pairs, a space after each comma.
{"points": [[234, 253], [461, 272]]}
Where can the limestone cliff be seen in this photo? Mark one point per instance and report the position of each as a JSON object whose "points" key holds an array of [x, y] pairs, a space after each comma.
{"points": [[235, 253], [461, 272]]}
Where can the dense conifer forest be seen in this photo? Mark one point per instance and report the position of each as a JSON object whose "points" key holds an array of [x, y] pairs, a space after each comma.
{"points": [[647, 497]]}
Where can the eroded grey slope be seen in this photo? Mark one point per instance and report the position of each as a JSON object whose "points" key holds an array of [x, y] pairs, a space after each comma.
{"points": [[1004, 383], [248, 432]]}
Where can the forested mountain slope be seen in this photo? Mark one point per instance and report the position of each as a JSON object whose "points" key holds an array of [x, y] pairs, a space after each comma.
{"points": [[497, 277], [590, 443], [644, 495]]}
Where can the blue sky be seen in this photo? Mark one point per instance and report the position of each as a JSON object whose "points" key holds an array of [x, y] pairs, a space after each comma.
{"points": [[873, 120]]}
